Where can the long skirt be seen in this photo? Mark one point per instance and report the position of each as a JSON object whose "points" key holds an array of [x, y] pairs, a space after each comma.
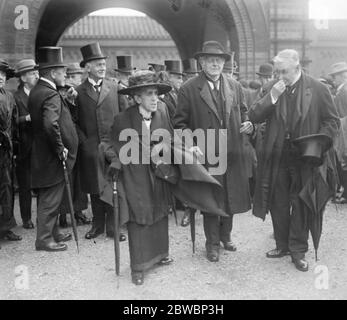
{"points": [[148, 244]]}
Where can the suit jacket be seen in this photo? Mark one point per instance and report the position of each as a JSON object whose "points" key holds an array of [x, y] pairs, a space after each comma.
{"points": [[24, 127], [196, 110], [53, 129], [315, 114], [95, 114], [170, 99]]}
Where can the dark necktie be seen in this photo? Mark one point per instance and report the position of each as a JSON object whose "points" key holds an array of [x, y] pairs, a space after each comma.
{"points": [[97, 87]]}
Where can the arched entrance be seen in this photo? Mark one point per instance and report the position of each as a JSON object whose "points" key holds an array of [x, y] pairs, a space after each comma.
{"points": [[240, 25]]}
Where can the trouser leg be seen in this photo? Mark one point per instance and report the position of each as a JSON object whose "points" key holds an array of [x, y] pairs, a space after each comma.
{"points": [[225, 228], [24, 184], [211, 229], [99, 212], [48, 202]]}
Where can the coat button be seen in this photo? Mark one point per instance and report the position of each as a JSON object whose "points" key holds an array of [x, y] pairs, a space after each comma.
{"points": [[166, 177]]}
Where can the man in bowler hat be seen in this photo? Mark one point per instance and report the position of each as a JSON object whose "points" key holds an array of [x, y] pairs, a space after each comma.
{"points": [[97, 105], [54, 141], [296, 105], [27, 72], [213, 101]]}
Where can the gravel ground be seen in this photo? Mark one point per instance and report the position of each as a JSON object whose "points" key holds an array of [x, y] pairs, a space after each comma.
{"points": [[245, 274]]}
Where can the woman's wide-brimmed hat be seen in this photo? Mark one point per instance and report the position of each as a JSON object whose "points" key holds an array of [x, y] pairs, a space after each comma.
{"points": [[143, 79], [213, 48], [5, 67]]}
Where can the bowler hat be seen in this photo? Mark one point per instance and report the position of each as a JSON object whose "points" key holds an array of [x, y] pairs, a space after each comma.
{"points": [[157, 67], [91, 52], [312, 147], [190, 66], [142, 79], [213, 48], [50, 57], [338, 68], [74, 68], [173, 66], [265, 70], [25, 65], [5, 67], [125, 64]]}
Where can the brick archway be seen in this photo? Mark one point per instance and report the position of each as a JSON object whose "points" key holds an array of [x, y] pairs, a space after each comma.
{"points": [[240, 24]]}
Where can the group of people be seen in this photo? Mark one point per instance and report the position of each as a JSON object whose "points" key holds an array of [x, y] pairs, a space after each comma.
{"points": [[279, 144]]}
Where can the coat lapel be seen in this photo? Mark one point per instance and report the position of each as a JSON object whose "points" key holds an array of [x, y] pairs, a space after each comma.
{"points": [[105, 89], [24, 99], [205, 94], [89, 90]]}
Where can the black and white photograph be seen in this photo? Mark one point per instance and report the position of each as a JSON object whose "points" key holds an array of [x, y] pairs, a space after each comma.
{"points": [[187, 151]]}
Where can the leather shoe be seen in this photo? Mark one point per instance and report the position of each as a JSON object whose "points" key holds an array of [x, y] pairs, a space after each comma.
{"points": [[212, 256], [51, 247], [277, 253], [186, 219], [165, 262], [137, 278], [122, 236], [300, 264], [28, 224], [93, 233], [229, 246], [10, 236], [63, 237], [81, 218]]}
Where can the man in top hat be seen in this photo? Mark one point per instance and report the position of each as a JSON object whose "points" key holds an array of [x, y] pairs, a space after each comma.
{"points": [[124, 70], [213, 101], [7, 132], [54, 141], [297, 105], [190, 69], [173, 77], [97, 105], [339, 75], [27, 72]]}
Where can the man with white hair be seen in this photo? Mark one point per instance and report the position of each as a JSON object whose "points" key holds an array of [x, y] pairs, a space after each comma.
{"points": [[301, 121]]}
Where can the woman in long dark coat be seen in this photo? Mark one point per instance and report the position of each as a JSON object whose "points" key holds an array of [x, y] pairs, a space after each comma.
{"points": [[7, 109], [148, 197]]}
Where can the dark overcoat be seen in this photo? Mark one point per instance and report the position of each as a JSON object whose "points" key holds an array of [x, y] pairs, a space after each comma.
{"points": [[24, 127], [95, 115], [147, 196], [315, 114], [53, 129], [196, 110], [170, 100]]}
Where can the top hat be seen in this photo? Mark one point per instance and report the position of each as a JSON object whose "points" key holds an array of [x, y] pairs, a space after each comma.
{"points": [[142, 79], [4, 66], [312, 147], [213, 48], [157, 67], [50, 57], [338, 68], [173, 66], [265, 70], [190, 66], [25, 66], [91, 52], [125, 64], [74, 68]]}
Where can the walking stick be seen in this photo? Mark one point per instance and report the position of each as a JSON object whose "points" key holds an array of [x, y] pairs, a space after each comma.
{"points": [[69, 196], [116, 226], [192, 227]]}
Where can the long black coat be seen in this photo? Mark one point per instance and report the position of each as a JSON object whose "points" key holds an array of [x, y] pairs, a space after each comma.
{"points": [[316, 114], [196, 110], [24, 127], [53, 129], [95, 114]]}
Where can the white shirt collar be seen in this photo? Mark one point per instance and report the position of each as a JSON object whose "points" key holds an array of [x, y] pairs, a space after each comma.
{"points": [[93, 83], [49, 82], [296, 79], [26, 91]]}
